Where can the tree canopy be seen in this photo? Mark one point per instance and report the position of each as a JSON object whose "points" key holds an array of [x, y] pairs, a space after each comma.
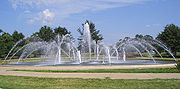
{"points": [[17, 36], [61, 31], [144, 37], [170, 36], [95, 35], [139, 36], [1, 30], [46, 33], [6, 43]]}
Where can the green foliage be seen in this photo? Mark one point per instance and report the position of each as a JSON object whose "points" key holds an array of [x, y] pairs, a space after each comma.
{"points": [[45, 33], [1, 30], [107, 78], [16, 82], [31, 56], [94, 32], [139, 36], [6, 43], [145, 54], [163, 54], [61, 31], [17, 36], [95, 35], [148, 70], [146, 37], [170, 36], [178, 65]]}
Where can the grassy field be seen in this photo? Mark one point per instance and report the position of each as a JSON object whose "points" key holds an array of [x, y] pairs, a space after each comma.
{"points": [[14, 82], [149, 70], [156, 58], [16, 60]]}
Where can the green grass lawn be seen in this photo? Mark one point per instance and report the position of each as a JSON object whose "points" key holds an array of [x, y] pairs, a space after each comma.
{"points": [[14, 82], [16, 60], [149, 70], [156, 58]]}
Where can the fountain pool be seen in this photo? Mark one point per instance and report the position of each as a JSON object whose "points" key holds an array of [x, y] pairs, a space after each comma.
{"points": [[62, 51]]}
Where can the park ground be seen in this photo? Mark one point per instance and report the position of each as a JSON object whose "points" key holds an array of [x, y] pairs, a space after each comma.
{"points": [[9, 78]]}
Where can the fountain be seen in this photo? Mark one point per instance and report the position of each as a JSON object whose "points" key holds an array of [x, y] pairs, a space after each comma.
{"points": [[62, 51]]}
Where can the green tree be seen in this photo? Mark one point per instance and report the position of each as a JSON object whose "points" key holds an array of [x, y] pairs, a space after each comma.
{"points": [[61, 31], [45, 33], [6, 43], [17, 36], [148, 37], [1, 30], [2, 47], [139, 36], [170, 36], [94, 32]]}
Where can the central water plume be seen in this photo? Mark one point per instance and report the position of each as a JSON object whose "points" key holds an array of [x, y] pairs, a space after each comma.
{"points": [[87, 37]]}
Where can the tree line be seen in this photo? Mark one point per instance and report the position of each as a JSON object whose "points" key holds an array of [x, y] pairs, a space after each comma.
{"points": [[170, 36], [46, 33]]}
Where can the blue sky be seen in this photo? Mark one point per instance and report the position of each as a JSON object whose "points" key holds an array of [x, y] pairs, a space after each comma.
{"points": [[115, 19]]}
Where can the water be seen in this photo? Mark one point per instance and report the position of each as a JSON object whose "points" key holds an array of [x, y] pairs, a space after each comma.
{"points": [[62, 51], [114, 62], [87, 38], [13, 48]]}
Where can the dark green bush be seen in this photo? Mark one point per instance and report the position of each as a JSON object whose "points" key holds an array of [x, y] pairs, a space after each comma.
{"points": [[178, 65]]}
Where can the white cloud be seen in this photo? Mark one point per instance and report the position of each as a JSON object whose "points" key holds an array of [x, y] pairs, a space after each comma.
{"points": [[64, 8], [46, 17]]}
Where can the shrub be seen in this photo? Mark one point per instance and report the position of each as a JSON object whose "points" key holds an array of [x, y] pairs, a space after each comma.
{"points": [[107, 78], [145, 54], [178, 65]]}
